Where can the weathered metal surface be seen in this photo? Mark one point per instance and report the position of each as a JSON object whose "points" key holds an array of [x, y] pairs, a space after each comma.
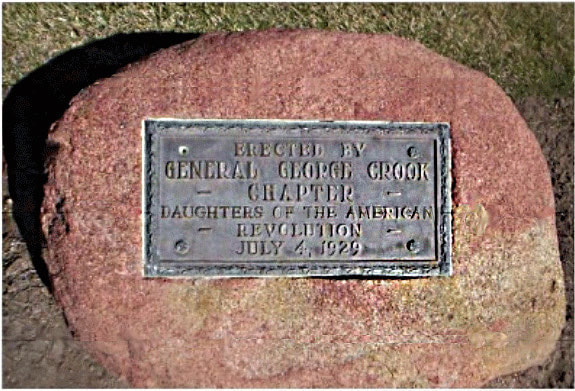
{"points": [[297, 198]]}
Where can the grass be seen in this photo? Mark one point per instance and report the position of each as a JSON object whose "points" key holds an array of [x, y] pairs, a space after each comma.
{"points": [[526, 48]]}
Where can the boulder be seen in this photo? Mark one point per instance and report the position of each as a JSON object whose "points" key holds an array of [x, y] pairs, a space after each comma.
{"points": [[501, 311]]}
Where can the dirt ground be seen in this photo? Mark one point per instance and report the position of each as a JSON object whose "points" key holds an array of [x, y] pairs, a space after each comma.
{"points": [[39, 352]]}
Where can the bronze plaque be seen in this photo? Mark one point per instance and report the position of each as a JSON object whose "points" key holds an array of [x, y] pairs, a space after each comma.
{"points": [[238, 198]]}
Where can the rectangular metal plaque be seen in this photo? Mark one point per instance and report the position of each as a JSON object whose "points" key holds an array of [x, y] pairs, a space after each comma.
{"points": [[296, 198]]}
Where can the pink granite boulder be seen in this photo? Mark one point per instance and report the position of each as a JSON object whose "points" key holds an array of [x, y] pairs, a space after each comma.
{"points": [[501, 311]]}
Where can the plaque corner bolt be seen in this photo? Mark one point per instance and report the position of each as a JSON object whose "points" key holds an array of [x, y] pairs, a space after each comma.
{"points": [[182, 247]]}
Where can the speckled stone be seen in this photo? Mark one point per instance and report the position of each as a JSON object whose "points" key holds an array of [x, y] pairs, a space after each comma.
{"points": [[502, 311]]}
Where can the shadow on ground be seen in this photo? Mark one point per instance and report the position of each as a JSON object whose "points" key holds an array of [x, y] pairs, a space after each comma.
{"points": [[39, 99], [38, 350]]}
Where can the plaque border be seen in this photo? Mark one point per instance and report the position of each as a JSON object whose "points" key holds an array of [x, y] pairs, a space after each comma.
{"points": [[155, 267]]}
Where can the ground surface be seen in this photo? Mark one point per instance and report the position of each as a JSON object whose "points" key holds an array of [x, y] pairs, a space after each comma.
{"points": [[527, 49]]}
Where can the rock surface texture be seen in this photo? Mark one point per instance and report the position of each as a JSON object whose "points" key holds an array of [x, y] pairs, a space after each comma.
{"points": [[501, 311]]}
